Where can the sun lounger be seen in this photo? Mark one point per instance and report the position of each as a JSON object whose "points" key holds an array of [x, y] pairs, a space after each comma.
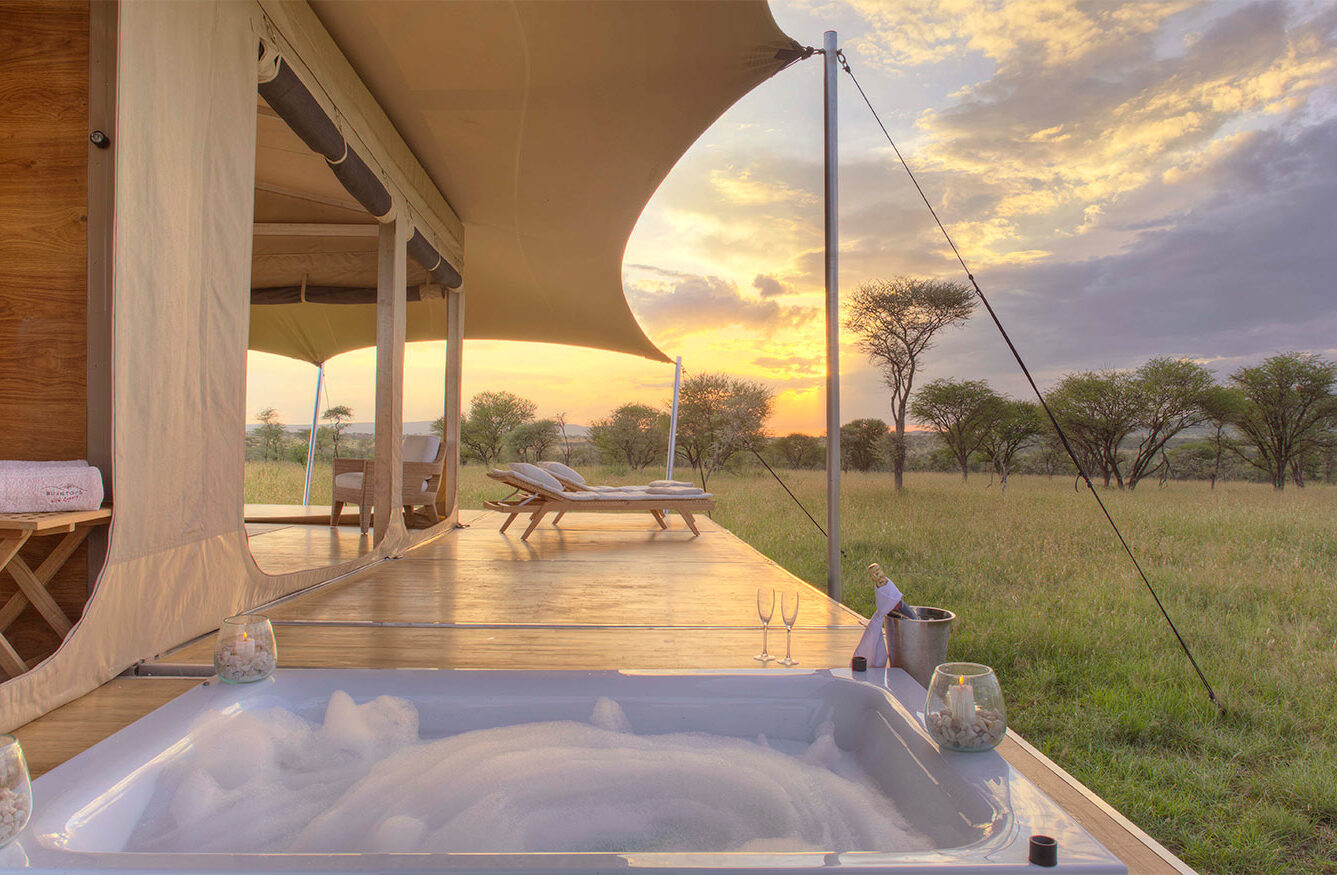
{"points": [[573, 480], [538, 493]]}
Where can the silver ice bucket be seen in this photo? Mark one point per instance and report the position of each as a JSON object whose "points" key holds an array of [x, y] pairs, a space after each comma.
{"points": [[919, 646]]}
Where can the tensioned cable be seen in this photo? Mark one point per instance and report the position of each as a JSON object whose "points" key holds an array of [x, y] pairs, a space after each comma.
{"points": [[785, 487], [1063, 438]]}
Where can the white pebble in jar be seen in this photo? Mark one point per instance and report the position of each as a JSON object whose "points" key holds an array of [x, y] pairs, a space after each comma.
{"points": [[255, 664], [983, 733], [245, 651]]}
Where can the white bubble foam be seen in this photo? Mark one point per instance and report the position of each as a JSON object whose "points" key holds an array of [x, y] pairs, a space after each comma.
{"points": [[361, 781]]}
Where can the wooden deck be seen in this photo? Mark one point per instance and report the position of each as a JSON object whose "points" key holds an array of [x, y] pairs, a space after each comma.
{"points": [[600, 591]]}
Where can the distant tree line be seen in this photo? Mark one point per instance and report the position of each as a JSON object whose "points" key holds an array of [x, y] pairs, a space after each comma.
{"points": [[270, 440], [1278, 418], [719, 418]]}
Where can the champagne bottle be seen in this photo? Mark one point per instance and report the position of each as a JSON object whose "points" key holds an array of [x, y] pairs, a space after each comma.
{"points": [[902, 608]]}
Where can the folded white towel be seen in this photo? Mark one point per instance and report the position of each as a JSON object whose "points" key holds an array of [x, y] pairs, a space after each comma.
{"points": [[50, 488], [18, 464]]}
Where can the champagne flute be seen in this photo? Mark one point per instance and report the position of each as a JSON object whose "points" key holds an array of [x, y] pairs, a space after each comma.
{"points": [[789, 613], [765, 610]]}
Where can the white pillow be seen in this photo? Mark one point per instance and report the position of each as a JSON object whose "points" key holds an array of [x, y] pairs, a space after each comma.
{"points": [[564, 472], [537, 475]]}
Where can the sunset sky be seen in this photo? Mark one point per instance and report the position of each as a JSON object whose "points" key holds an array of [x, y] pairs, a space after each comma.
{"points": [[1127, 180]]}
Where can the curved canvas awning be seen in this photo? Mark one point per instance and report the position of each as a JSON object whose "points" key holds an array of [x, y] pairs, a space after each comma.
{"points": [[547, 127]]}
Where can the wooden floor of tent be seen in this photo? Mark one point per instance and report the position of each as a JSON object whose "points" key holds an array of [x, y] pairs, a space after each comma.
{"points": [[599, 591], [279, 548]]}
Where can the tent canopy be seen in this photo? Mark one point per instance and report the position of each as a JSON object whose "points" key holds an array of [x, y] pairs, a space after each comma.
{"points": [[546, 126]]}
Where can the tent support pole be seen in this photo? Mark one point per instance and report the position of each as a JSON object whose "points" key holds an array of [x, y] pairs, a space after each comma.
{"points": [[391, 316], [447, 498], [673, 419], [311, 442], [832, 246]]}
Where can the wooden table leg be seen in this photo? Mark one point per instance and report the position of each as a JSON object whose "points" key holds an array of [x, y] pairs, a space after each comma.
{"points": [[38, 596], [47, 570], [10, 661], [33, 584]]}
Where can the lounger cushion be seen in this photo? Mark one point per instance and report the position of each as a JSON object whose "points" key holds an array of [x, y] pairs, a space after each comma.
{"points": [[536, 475], [631, 496], [674, 490], [568, 474], [673, 483]]}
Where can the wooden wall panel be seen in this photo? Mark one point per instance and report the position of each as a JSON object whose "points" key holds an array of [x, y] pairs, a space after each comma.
{"points": [[44, 87]]}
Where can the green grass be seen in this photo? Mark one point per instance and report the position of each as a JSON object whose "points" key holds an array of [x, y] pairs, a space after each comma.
{"points": [[1092, 675]]}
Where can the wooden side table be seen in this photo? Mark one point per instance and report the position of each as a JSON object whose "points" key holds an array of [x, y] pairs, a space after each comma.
{"points": [[15, 530]]}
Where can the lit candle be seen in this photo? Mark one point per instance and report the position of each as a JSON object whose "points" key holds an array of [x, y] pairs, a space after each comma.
{"points": [[961, 701], [247, 649]]}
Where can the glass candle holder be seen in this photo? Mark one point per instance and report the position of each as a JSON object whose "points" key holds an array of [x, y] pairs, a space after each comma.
{"points": [[965, 710], [245, 651], [15, 790]]}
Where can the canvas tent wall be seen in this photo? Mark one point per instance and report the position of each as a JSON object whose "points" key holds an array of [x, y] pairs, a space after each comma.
{"points": [[521, 158]]}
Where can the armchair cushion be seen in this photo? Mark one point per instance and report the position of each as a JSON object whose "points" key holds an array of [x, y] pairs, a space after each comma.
{"points": [[349, 480], [421, 447]]}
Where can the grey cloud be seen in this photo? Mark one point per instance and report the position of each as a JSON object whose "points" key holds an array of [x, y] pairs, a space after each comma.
{"points": [[1246, 275], [768, 286]]}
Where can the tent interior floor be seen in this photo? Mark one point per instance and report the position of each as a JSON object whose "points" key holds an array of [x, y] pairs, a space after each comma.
{"points": [[602, 591], [280, 548]]}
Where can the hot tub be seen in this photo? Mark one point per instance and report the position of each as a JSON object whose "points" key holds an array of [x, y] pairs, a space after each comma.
{"points": [[969, 812]]}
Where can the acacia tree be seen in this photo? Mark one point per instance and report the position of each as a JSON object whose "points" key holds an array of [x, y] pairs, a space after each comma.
{"points": [[960, 412], [492, 416], [1221, 405], [1169, 393], [896, 321], [859, 441], [1288, 410], [1012, 425], [719, 415], [1050, 451], [271, 433], [338, 418], [1098, 410], [633, 433], [799, 450], [532, 439]]}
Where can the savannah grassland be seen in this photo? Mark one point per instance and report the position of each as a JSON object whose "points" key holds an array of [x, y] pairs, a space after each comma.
{"points": [[1092, 675]]}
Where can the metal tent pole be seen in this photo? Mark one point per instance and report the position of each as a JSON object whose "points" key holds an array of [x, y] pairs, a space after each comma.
{"points": [[311, 443], [673, 419], [832, 246]]}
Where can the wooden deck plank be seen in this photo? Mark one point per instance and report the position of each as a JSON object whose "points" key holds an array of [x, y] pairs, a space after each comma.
{"points": [[71, 729], [280, 549], [527, 648], [588, 592]]}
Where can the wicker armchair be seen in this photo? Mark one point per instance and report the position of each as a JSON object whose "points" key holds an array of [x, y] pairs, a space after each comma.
{"points": [[424, 461]]}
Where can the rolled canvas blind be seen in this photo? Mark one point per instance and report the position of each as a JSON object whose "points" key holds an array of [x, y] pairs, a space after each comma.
{"points": [[288, 97]]}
